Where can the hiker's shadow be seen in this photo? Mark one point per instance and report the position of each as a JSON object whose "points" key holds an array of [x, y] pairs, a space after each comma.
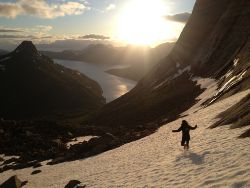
{"points": [[197, 159]]}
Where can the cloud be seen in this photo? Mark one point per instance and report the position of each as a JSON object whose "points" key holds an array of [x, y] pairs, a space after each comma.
{"points": [[41, 9], [182, 17], [13, 36], [10, 10], [35, 30], [10, 37], [10, 30], [41, 37], [29, 37], [42, 28], [96, 37], [110, 7]]}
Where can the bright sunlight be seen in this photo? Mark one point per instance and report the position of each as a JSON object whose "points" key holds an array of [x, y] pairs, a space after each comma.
{"points": [[143, 23]]}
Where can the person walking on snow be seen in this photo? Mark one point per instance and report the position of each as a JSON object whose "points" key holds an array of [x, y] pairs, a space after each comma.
{"points": [[185, 128]]}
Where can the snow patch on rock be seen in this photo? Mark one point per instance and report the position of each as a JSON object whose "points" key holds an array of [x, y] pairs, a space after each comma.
{"points": [[229, 84], [181, 71], [236, 61], [178, 65], [80, 139], [234, 80]]}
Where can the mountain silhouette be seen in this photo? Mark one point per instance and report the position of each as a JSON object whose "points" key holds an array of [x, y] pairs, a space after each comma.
{"points": [[32, 85], [2, 52]]}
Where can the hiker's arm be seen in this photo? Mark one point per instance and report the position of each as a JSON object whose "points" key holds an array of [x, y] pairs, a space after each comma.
{"points": [[178, 130], [193, 127]]}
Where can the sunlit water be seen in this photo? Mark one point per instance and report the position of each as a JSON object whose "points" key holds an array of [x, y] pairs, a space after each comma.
{"points": [[112, 86]]}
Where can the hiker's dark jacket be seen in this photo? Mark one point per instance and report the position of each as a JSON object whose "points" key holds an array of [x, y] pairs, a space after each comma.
{"points": [[185, 128]]}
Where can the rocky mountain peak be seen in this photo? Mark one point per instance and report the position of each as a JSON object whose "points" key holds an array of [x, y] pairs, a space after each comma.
{"points": [[26, 47], [33, 86]]}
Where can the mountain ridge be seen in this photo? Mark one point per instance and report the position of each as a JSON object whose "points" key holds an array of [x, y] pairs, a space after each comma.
{"points": [[33, 85]]}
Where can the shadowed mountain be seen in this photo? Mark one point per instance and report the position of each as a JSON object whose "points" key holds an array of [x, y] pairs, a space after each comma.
{"points": [[214, 43], [94, 53], [2, 52], [32, 85]]}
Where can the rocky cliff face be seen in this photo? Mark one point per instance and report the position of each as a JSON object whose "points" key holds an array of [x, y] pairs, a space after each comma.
{"points": [[33, 85], [215, 43]]}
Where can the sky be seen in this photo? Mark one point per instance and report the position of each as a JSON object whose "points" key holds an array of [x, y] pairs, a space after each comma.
{"points": [[75, 23]]}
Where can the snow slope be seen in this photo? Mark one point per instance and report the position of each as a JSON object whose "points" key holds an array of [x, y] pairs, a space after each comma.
{"points": [[216, 159]]}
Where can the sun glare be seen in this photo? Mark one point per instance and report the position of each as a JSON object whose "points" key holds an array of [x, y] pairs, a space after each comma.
{"points": [[142, 22]]}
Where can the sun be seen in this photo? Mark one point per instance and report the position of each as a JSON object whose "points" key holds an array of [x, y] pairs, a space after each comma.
{"points": [[142, 22]]}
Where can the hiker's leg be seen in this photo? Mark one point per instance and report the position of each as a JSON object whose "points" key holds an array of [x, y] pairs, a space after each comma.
{"points": [[187, 144], [183, 143]]}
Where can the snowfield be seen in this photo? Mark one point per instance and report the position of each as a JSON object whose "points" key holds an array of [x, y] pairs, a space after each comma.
{"points": [[217, 158]]}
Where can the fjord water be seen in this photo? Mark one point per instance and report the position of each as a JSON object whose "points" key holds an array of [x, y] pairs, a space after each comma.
{"points": [[112, 86]]}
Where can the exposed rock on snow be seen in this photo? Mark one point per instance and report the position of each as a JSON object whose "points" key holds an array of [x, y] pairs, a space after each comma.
{"points": [[238, 115], [36, 172], [245, 134], [74, 184], [13, 182]]}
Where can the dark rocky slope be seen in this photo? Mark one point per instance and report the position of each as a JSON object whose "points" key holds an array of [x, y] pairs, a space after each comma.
{"points": [[214, 43], [3, 52], [32, 85]]}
